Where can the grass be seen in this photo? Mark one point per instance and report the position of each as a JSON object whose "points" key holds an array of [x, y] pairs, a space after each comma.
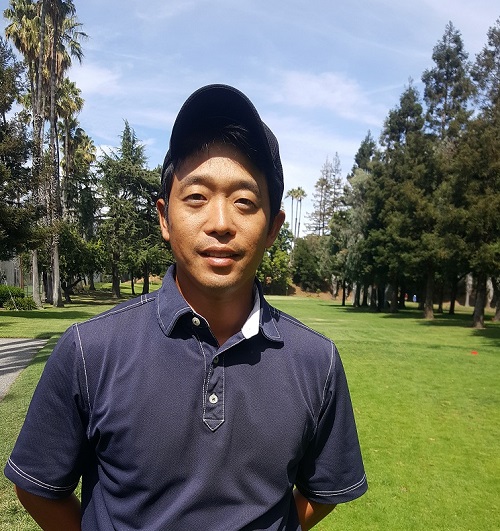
{"points": [[426, 397]]}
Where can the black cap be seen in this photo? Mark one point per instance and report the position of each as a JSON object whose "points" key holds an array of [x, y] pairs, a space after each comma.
{"points": [[228, 102]]}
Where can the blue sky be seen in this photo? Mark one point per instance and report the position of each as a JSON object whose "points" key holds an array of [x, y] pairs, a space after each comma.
{"points": [[321, 72]]}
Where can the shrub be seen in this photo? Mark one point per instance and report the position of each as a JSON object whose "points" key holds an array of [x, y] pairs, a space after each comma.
{"points": [[7, 291], [20, 303]]}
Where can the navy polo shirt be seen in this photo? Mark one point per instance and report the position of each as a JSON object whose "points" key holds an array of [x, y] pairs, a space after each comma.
{"points": [[169, 430]]}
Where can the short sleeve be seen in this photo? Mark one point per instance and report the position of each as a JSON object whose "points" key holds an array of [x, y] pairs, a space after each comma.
{"points": [[332, 470], [50, 451]]}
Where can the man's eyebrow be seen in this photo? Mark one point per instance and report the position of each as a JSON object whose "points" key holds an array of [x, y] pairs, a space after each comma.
{"points": [[206, 180]]}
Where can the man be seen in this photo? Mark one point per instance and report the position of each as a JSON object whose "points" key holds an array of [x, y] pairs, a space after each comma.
{"points": [[199, 405]]}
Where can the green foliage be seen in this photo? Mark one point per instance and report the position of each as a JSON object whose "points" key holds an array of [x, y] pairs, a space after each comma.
{"points": [[7, 292], [274, 271], [306, 258], [20, 303], [16, 214], [130, 230]]}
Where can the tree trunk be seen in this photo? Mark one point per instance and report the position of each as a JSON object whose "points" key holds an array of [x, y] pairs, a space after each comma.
{"points": [[344, 290], [357, 295], [373, 298], [402, 294], [47, 286], [429, 294], [35, 278], [145, 286], [57, 300], [478, 315], [364, 301], [453, 295], [381, 298], [441, 297], [132, 285], [393, 308], [496, 288], [115, 273], [468, 289]]}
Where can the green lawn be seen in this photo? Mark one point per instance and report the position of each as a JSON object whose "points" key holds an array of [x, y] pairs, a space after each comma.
{"points": [[427, 403]]}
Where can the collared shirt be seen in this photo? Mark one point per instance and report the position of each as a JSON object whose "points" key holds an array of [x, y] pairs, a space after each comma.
{"points": [[169, 430]]}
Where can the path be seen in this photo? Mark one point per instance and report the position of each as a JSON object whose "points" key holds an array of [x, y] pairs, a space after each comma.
{"points": [[15, 354]]}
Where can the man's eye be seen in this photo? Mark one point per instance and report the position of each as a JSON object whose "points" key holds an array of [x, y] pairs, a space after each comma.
{"points": [[247, 203], [195, 198]]}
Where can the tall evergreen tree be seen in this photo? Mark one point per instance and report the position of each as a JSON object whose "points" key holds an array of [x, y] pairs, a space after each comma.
{"points": [[328, 197], [130, 229], [447, 93]]}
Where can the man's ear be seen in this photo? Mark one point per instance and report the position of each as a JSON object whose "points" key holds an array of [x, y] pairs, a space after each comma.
{"points": [[162, 218], [275, 227]]}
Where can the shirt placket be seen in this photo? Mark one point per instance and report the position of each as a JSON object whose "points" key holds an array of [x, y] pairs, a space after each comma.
{"points": [[213, 385]]}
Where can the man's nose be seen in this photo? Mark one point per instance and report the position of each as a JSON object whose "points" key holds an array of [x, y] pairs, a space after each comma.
{"points": [[220, 219]]}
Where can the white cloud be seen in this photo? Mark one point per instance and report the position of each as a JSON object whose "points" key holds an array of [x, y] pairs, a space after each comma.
{"points": [[331, 91], [93, 79]]}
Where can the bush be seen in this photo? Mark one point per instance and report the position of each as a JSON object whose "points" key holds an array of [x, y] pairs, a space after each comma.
{"points": [[20, 303], [7, 291]]}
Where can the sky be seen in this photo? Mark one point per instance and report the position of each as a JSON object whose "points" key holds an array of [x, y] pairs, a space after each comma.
{"points": [[321, 73]]}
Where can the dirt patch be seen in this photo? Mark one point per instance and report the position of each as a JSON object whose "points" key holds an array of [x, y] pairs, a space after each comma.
{"points": [[296, 291]]}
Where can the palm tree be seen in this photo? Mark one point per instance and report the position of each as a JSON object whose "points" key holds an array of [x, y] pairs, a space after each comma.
{"points": [[291, 193], [28, 37], [64, 36], [300, 194], [69, 103]]}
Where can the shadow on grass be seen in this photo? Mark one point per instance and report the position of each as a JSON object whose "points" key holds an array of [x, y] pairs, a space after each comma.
{"points": [[491, 331], [40, 314]]}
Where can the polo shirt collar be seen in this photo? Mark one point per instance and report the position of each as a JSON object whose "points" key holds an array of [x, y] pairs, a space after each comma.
{"points": [[171, 306]]}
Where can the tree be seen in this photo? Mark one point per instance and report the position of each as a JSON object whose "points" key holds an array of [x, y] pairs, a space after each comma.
{"points": [[47, 34], [69, 104], [130, 230], [448, 90], [300, 194], [16, 212], [64, 36], [477, 172], [306, 263], [28, 36], [328, 197], [274, 271]]}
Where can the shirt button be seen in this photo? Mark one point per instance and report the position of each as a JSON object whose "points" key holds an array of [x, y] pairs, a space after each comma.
{"points": [[196, 321], [213, 399], [216, 360]]}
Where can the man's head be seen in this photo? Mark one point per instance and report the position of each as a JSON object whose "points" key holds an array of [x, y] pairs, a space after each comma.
{"points": [[222, 114]]}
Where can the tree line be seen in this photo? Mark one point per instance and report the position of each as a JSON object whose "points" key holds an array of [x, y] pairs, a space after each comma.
{"points": [[421, 207], [419, 212], [66, 211]]}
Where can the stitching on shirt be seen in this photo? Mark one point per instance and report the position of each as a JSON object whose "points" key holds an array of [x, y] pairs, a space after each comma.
{"points": [[341, 491], [35, 481], [205, 389], [274, 312], [302, 325], [332, 358], [205, 380], [162, 324], [140, 302], [85, 372]]}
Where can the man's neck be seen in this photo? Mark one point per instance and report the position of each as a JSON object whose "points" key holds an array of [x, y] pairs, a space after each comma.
{"points": [[226, 313]]}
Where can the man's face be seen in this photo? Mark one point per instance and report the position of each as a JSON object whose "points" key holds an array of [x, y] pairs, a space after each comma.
{"points": [[218, 223]]}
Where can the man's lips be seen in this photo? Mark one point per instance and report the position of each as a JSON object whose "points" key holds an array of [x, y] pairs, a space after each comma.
{"points": [[220, 257], [218, 254]]}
